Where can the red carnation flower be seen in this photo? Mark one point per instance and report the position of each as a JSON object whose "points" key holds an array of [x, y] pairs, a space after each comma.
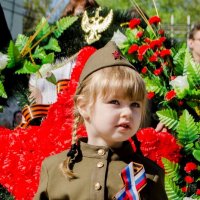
{"points": [[147, 40], [155, 43], [153, 145], [184, 189], [165, 52], [158, 71], [189, 179], [162, 39], [154, 20], [134, 22], [153, 58], [148, 136], [170, 95], [139, 34], [190, 166], [150, 95], [161, 32], [140, 57], [133, 48], [144, 70], [142, 49], [198, 192]]}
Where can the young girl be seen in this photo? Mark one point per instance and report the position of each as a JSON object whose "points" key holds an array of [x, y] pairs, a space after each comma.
{"points": [[110, 100]]}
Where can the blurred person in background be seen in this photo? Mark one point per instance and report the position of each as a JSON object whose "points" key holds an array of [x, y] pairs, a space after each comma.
{"points": [[194, 42], [17, 118]]}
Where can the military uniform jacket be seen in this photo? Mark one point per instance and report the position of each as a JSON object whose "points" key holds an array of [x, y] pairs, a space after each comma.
{"points": [[98, 170]]}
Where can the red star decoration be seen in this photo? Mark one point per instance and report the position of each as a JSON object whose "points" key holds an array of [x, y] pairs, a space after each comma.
{"points": [[117, 55]]}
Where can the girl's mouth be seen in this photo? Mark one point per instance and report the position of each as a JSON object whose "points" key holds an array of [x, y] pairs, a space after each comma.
{"points": [[126, 126]]}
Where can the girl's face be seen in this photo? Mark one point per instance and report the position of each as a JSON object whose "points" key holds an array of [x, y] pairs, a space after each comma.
{"points": [[194, 45], [113, 120]]}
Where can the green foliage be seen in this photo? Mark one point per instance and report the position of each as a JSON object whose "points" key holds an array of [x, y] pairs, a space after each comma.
{"points": [[178, 58], [28, 68], [28, 54], [171, 178], [42, 28], [168, 117], [63, 24], [192, 70], [172, 190], [171, 169], [187, 61], [117, 4], [187, 131], [21, 41], [39, 53], [194, 74], [2, 90], [4, 194], [13, 54], [48, 59], [196, 154], [52, 45], [155, 85]]}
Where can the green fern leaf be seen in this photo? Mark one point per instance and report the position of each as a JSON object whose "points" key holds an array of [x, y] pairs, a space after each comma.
{"points": [[193, 73], [172, 190], [178, 59], [168, 117], [171, 169], [42, 28], [187, 129], [194, 93], [39, 53], [48, 59], [63, 24], [187, 61], [13, 55], [150, 32], [131, 36], [196, 154], [28, 68], [154, 85], [53, 45], [197, 145], [21, 41], [2, 90]]}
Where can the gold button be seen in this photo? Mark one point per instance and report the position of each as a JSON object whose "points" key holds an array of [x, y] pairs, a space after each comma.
{"points": [[100, 164], [101, 152], [97, 186]]}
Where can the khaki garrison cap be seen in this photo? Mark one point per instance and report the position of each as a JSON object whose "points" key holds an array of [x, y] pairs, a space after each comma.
{"points": [[107, 56]]}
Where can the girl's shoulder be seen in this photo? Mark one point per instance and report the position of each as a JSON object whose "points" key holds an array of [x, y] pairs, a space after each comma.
{"points": [[55, 159]]}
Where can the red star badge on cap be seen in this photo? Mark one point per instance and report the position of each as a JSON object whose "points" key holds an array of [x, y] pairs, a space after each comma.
{"points": [[117, 55]]}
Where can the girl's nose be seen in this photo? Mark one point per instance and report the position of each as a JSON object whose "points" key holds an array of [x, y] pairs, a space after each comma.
{"points": [[126, 112]]}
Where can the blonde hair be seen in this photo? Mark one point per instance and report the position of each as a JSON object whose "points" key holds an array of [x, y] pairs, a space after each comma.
{"points": [[106, 82]]}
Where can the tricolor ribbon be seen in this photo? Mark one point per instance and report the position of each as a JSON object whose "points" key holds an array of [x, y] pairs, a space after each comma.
{"points": [[134, 179]]}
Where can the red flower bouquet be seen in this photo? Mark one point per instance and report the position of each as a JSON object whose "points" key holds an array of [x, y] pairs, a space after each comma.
{"points": [[172, 81]]}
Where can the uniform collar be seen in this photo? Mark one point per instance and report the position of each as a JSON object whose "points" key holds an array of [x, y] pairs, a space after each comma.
{"points": [[125, 152]]}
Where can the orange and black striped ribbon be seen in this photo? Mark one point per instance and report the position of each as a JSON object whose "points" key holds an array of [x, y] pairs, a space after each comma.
{"points": [[33, 111], [62, 85]]}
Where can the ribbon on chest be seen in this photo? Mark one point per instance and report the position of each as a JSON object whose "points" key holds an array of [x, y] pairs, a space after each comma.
{"points": [[134, 178]]}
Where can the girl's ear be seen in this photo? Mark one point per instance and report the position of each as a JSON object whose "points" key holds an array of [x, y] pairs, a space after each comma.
{"points": [[190, 43], [83, 109]]}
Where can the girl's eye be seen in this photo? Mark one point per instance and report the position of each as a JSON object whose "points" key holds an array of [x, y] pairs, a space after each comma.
{"points": [[116, 102], [135, 105]]}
